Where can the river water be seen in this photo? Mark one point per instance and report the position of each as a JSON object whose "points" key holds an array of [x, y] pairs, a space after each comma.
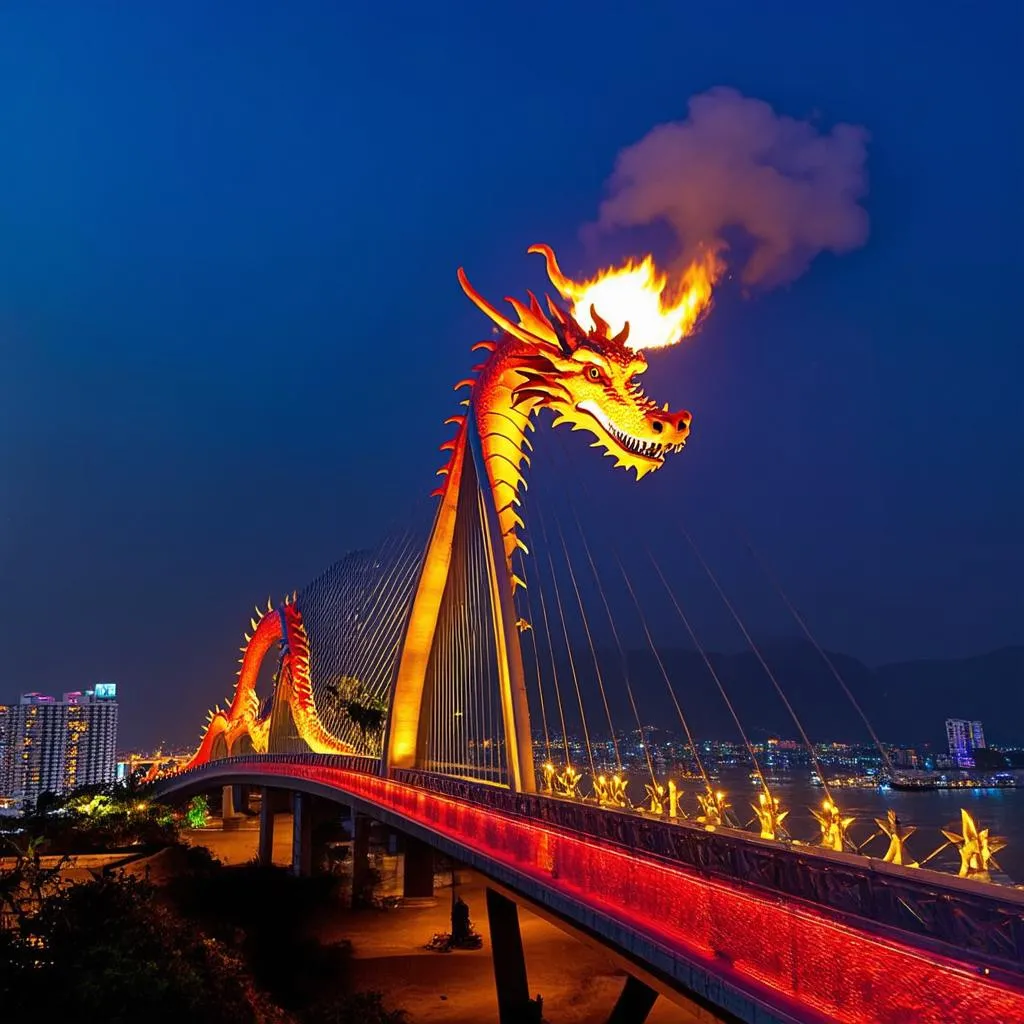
{"points": [[999, 810]]}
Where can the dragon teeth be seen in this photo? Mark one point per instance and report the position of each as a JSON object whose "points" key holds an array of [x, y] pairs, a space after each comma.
{"points": [[649, 449]]}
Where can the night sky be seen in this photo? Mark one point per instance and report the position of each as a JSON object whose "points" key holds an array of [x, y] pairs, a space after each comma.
{"points": [[230, 323]]}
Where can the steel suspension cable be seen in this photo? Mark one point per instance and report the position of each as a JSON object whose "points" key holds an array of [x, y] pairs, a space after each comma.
{"points": [[366, 660], [714, 675], [568, 646], [824, 656], [554, 668], [387, 637], [459, 674], [476, 625], [665, 676], [496, 741], [615, 635], [757, 653], [536, 655], [590, 643], [661, 665], [382, 598], [478, 697]]}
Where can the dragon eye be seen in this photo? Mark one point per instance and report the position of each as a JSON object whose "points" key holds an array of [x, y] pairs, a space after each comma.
{"points": [[593, 372]]}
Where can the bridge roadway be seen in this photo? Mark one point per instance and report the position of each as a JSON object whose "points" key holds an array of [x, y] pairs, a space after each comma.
{"points": [[760, 932]]}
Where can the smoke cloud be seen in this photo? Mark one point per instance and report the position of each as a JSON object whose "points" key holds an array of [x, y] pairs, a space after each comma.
{"points": [[734, 164]]}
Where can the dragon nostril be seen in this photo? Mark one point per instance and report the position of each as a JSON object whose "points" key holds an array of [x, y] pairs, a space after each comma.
{"points": [[684, 424], [658, 426]]}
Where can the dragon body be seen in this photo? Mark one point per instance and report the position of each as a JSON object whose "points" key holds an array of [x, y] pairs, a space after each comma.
{"points": [[244, 725], [539, 359]]}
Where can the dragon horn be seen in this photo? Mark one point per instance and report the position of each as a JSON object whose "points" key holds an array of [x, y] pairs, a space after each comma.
{"points": [[561, 321], [623, 336], [555, 311], [601, 326], [485, 307], [558, 279]]}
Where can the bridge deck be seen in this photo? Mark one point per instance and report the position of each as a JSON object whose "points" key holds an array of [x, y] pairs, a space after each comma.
{"points": [[755, 954]]}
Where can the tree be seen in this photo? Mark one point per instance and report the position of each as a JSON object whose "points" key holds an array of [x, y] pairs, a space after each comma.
{"points": [[25, 884], [132, 787], [365, 711], [108, 950], [197, 813], [264, 912], [97, 818]]}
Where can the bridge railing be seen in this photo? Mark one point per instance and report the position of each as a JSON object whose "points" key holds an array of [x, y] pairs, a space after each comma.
{"points": [[986, 921], [348, 762]]}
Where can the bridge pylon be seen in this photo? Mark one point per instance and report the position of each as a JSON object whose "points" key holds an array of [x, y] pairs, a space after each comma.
{"points": [[465, 572]]}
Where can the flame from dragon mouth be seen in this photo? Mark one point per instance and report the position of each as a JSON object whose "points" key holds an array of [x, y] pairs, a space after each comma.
{"points": [[639, 294]]}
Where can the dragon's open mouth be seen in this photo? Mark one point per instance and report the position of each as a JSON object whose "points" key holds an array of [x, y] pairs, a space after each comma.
{"points": [[653, 450]]}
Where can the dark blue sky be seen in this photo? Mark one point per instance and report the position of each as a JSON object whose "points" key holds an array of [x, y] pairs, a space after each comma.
{"points": [[230, 323]]}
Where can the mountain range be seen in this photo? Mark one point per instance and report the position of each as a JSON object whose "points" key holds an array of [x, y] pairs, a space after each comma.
{"points": [[906, 703]]}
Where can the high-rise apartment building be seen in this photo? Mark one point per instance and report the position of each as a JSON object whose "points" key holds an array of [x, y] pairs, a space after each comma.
{"points": [[90, 753], [5, 750], [57, 746], [37, 747], [964, 737]]}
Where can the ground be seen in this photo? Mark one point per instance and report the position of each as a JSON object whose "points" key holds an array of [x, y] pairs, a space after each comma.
{"points": [[579, 983]]}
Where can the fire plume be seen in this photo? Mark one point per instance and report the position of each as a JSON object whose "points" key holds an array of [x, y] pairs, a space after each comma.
{"points": [[658, 313]]}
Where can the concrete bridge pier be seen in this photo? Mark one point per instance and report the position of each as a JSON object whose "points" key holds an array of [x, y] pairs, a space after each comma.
{"points": [[265, 851], [634, 1003], [418, 873], [514, 1003], [362, 879], [243, 799], [227, 803], [302, 835]]}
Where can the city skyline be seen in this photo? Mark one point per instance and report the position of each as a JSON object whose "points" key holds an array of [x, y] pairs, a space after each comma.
{"points": [[910, 726]]}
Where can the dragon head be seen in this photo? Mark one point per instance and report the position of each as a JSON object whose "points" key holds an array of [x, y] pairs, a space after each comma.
{"points": [[589, 379]]}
